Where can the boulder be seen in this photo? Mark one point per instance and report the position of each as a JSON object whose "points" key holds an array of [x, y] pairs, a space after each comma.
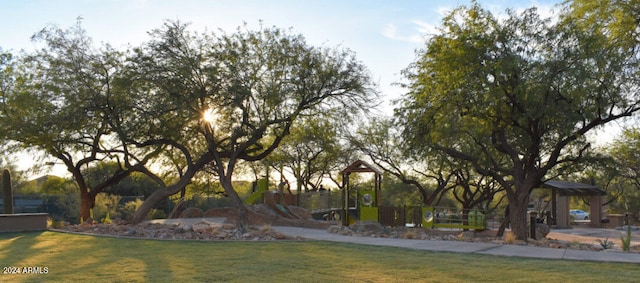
{"points": [[542, 230], [183, 228], [201, 227], [367, 226]]}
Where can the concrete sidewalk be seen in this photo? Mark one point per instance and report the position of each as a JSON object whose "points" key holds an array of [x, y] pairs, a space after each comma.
{"points": [[464, 247]]}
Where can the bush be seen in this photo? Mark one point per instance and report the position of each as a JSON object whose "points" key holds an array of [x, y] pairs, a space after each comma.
{"points": [[207, 202], [127, 210], [157, 214], [64, 206], [106, 204]]}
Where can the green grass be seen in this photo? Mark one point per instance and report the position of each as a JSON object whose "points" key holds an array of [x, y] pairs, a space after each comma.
{"points": [[81, 258]]}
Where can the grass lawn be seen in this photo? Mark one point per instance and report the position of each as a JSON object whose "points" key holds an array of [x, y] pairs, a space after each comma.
{"points": [[81, 258]]}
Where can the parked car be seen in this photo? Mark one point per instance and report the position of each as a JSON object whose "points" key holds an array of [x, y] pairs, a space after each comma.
{"points": [[578, 214]]}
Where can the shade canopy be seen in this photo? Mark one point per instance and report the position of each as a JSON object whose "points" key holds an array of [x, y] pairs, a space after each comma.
{"points": [[360, 166], [573, 188]]}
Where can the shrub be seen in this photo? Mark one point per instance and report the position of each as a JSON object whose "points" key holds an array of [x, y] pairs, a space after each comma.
{"points": [[509, 237], [106, 205], [64, 206], [106, 219], [156, 214], [606, 244], [129, 208]]}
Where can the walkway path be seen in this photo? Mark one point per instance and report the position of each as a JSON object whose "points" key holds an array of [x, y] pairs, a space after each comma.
{"points": [[578, 234], [464, 247]]}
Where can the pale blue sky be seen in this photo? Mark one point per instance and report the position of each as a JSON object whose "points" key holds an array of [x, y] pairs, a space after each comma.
{"points": [[384, 34]]}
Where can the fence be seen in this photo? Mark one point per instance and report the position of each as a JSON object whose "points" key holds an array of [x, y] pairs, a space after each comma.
{"points": [[443, 217], [26, 205], [320, 200], [400, 216]]}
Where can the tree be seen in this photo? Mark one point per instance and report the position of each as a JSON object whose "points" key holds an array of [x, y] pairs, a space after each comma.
{"points": [[59, 103], [624, 150], [7, 81], [232, 97], [310, 152], [433, 174], [516, 97], [135, 184], [430, 174], [473, 190], [619, 20]]}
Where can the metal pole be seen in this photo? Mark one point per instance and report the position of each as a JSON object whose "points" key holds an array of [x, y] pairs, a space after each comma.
{"points": [[532, 224]]}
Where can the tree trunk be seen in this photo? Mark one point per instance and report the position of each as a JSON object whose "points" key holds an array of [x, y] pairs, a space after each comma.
{"points": [[465, 215], [242, 217], [86, 204], [151, 202], [518, 203], [156, 197], [503, 223]]}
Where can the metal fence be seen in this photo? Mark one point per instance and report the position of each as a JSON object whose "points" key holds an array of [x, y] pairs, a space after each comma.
{"points": [[320, 200]]}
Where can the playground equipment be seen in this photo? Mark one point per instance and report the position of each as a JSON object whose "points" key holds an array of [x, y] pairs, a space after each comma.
{"points": [[273, 199], [363, 205], [447, 217], [261, 186], [276, 201]]}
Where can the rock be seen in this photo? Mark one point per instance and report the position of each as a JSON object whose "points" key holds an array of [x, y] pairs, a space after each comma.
{"points": [[201, 227], [370, 226], [183, 228], [450, 237], [542, 230], [466, 236], [335, 229], [130, 232], [85, 224]]}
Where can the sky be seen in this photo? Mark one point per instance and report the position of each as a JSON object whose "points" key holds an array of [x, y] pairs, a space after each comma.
{"points": [[383, 34]]}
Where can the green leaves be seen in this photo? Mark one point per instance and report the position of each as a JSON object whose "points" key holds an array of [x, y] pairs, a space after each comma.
{"points": [[523, 88]]}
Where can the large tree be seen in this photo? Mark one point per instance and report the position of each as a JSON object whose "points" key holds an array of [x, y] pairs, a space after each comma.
{"points": [[224, 98], [515, 97], [58, 101]]}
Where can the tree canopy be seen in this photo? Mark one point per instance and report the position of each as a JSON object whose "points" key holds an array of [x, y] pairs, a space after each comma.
{"points": [[515, 97], [182, 102], [223, 98], [57, 101]]}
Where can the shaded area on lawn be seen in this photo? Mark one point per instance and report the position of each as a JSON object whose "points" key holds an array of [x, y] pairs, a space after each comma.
{"points": [[71, 257]]}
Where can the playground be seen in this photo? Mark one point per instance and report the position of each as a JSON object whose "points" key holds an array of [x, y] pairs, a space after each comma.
{"points": [[351, 205], [348, 212]]}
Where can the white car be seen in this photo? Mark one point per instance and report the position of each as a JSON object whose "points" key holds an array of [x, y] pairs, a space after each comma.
{"points": [[579, 214]]}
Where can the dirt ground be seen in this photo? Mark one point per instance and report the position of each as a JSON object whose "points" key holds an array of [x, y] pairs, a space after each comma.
{"points": [[588, 235]]}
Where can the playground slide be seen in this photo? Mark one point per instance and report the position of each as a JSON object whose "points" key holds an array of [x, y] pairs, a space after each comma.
{"points": [[275, 200], [253, 197], [260, 186]]}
